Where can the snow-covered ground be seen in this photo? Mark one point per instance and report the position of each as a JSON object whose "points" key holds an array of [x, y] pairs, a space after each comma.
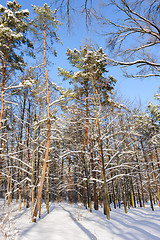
{"points": [[74, 222]]}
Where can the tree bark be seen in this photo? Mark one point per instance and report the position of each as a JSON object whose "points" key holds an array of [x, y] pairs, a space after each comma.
{"points": [[69, 179], [48, 134]]}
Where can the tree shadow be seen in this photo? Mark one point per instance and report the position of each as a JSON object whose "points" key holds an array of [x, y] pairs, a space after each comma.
{"points": [[85, 230], [124, 227], [43, 215]]}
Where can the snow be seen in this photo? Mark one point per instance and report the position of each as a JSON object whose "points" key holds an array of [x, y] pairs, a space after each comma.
{"points": [[27, 83], [9, 12], [74, 222], [2, 8], [25, 11]]}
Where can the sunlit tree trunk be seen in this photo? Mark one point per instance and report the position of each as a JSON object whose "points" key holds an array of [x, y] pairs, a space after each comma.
{"points": [[47, 189], [2, 105], [102, 160], [21, 150], [87, 143], [33, 165], [48, 134]]}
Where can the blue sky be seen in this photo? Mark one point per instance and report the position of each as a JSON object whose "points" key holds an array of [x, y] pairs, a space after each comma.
{"points": [[132, 89]]}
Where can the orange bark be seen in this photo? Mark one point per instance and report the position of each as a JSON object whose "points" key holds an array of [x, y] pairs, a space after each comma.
{"points": [[48, 136], [2, 102]]}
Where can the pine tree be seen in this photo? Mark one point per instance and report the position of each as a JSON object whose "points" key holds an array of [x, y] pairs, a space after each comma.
{"points": [[92, 87], [44, 26], [13, 29]]}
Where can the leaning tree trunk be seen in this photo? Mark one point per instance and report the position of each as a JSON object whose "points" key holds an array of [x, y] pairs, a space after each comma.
{"points": [[48, 134]]}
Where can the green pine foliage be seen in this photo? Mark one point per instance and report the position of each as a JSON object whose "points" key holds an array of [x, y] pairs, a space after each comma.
{"points": [[91, 75], [46, 19], [13, 29]]}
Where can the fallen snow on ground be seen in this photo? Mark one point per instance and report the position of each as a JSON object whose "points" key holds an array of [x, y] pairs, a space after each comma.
{"points": [[74, 222]]}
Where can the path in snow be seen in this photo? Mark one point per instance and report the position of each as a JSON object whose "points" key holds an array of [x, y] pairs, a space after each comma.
{"points": [[74, 222], [60, 224]]}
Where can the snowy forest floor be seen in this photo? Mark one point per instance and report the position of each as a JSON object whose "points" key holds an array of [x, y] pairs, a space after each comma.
{"points": [[74, 222]]}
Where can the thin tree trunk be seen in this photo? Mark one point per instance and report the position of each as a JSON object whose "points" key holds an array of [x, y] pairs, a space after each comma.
{"points": [[28, 151], [21, 151], [87, 144], [2, 101], [149, 182], [48, 136], [33, 166], [102, 160], [87, 184], [47, 189], [69, 179], [2, 110], [120, 179], [95, 195], [157, 157], [140, 178], [2, 88], [155, 180]]}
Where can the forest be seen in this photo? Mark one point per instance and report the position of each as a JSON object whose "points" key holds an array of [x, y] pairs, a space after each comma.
{"points": [[81, 143]]}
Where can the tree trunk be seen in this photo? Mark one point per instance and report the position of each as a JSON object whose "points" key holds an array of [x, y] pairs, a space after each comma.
{"points": [[28, 151], [47, 189], [69, 179], [149, 181], [48, 136]]}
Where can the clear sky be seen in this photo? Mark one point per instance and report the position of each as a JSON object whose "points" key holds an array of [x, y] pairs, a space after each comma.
{"points": [[133, 89]]}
